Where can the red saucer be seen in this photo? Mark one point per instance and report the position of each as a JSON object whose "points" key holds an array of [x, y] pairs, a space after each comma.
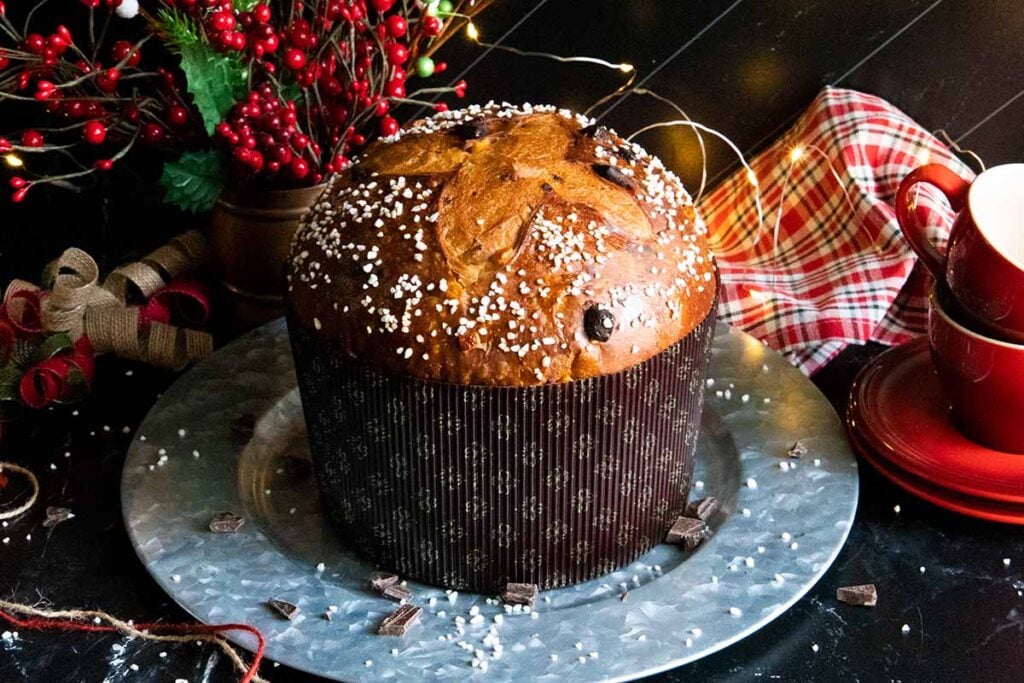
{"points": [[899, 418]]}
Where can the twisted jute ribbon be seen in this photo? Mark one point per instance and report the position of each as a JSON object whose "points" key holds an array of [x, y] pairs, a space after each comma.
{"points": [[77, 303], [33, 618]]}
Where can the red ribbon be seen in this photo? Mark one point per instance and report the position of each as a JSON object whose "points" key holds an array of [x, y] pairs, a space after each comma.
{"points": [[186, 301], [50, 379], [40, 624]]}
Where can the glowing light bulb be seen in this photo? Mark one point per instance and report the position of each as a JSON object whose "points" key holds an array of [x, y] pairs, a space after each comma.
{"points": [[923, 156], [796, 154], [626, 68], [751, 178], [471, 31], [14, 161]]}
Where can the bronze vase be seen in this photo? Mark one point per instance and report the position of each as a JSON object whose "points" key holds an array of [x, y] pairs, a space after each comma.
{"points": [[250, 232]]}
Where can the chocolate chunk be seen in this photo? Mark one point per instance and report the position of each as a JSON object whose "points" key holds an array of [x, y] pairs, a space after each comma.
{"points": [[598, 323], [359, 173], [226, 523], [381, 580], [797, 450], [614, 175], [472, 130], [626, 152], [703, 508], [687, 531], [55, 516], [400, 621], [520, 593], [595, 132], [328, 615], [547, 187], [624, 597], [285, 609], [865, 595], [396, 592]]}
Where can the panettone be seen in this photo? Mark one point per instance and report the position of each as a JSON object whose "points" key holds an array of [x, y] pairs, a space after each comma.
{"points": [[503, 247], [501, 321]]}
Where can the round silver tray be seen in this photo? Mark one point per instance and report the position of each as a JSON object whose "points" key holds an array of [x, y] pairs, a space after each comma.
{"points": [[230, 435]]}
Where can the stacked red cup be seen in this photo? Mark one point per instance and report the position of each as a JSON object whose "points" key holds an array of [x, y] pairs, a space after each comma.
{"points": [[976, 314]]}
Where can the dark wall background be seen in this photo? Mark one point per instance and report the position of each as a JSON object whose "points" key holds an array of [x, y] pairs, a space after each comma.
{"points": [[745, 67]]}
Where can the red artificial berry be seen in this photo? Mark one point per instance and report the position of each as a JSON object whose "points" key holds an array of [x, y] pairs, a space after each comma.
{"points": [[358, 139], [94, 132], [222, 21], [19, 194], [3, 9], [382, 108], [440, 67], [255, 161], [383, 6], [395, 88], [242, 155], [4, 61], [388, 126], [238, 41], [261, 13], [397, 25], [270, 43], [45, 90], [17, 183], [177, 115], [294, 59], [32, 138], [398, 54], [152, 133], [91, 4], [299, 168], [441, 106], [301, 140], [124, 50], [107, 80], [431, 26], [64, 34], [104, 164], [460, 89], [5, 146], [35, 43]]}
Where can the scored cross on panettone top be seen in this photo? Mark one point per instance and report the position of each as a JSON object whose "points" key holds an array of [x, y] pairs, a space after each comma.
{"points": [[502, 246]]}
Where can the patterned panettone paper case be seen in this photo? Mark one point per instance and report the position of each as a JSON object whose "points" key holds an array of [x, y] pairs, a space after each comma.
{"points": [[471, 487]]}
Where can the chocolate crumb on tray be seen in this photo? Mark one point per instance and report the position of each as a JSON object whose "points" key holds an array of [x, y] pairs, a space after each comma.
{"points": [[865, 595], [702, 508], [400, 621], [520, 594], [797, 450], [396, 592], [285, 609], [381, 580], [226, 523], [687, 531]]}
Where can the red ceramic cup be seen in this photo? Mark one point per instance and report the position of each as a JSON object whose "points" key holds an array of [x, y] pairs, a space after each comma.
{"points": [[984, 262], [983, 377]]}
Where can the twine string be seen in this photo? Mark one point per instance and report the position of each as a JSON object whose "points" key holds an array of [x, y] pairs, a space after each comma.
{"points": [[27, 505], [84, 621]]}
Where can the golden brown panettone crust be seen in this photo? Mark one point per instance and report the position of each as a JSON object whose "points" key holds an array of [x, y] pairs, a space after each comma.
{"points": [[502, 246]]}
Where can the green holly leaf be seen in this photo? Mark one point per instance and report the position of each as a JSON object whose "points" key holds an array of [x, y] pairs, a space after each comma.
{"points": [[194, 181], [215, 81], [53, 345], [245, 5]]}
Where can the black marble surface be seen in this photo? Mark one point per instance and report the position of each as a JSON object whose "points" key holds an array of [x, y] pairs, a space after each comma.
{"points": [[746, 67]]}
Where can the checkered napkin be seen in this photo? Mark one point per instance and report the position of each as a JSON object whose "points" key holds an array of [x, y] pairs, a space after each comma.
{"points": [[840, 271]]}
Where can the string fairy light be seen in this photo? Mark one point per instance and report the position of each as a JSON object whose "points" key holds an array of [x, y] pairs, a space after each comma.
{"points": [[473, 33], [13, 160], [751, 176]]}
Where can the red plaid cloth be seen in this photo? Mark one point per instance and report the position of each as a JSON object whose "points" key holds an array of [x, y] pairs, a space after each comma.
{"points": [[841, 271]]}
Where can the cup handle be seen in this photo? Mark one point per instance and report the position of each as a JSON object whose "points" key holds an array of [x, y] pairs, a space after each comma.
{"points": [[947, 182]]}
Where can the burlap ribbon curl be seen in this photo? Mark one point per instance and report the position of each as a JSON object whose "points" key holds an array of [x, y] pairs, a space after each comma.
{"points": [[78, 304]]}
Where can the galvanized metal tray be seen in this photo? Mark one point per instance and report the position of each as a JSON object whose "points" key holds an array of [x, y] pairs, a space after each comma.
{"points": [[230, 435]]}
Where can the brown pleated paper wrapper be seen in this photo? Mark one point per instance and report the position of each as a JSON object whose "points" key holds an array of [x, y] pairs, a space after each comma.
{"points": [[471, 487]]}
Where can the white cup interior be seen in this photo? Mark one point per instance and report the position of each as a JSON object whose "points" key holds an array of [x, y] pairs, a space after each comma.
{"points": [[996, 201]]}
